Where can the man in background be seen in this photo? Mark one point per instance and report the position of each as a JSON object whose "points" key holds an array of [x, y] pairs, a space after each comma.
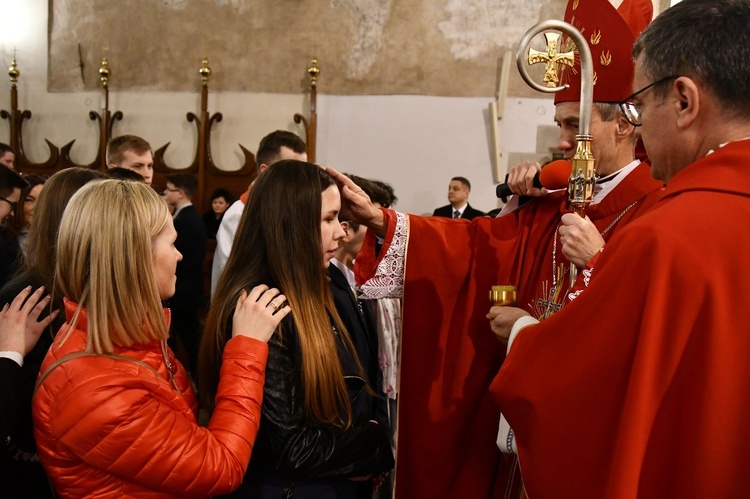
{"points": [[458, 197], [7, 156], [273, 147], [133, 153], [188, 300], [11, 184]]}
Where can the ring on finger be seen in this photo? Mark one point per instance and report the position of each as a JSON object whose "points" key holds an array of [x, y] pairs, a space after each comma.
{"points": [[274, 306]]}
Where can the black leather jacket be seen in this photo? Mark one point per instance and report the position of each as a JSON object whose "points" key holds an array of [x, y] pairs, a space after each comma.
{"points": [[293, 452]]}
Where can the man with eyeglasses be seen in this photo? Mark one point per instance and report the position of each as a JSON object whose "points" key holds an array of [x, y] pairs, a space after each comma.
{"points": [[651, 398], [7, 156], [188, 299], [11, 184]]}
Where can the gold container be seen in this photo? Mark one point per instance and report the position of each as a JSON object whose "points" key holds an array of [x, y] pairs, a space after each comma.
{"points": [[503, 296]]}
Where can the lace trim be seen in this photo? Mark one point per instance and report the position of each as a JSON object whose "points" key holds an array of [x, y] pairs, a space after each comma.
{"points": [[388, 281]]}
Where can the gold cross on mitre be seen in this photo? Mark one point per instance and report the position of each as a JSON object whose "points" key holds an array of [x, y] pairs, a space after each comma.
{"points": [[551, 57]]}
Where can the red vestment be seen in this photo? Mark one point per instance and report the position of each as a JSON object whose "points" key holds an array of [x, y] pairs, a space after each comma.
{"points": [[447, 421], [640, 388]]}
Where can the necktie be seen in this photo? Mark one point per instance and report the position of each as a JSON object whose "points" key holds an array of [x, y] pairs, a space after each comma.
{"points": [[456, 214]]}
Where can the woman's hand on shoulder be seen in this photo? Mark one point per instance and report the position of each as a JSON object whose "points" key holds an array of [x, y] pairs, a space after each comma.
{"points": [[259, 312]]}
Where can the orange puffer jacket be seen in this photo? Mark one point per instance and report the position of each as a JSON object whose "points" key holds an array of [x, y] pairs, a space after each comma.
{"points": [[108, 427]]}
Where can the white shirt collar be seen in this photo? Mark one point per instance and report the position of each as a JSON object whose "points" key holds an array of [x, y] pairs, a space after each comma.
{"points": [[180, 209], [601, 190], [460, 210], [348, 273]]}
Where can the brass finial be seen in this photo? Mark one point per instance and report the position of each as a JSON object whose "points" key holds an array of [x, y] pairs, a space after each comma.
{"points": [[205, 71], [105, 72], [13, 71], [313, 71]]}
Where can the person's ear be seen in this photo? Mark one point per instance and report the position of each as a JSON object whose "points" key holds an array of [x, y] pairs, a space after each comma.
{"points": [[623, 127], [687, 101], [347, 230]]}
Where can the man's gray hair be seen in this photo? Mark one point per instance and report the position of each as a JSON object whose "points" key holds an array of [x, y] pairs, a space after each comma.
{"points": [[608, 111]]}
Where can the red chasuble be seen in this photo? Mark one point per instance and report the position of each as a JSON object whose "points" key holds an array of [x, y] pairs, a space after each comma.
{"points": [[640, 388], [447, 421]]}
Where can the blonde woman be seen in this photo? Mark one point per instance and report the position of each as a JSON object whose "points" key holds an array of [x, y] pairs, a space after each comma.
{"points": [[114, 412]]}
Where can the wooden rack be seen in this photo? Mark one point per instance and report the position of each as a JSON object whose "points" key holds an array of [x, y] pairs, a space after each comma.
{"points": [[203, 167]]}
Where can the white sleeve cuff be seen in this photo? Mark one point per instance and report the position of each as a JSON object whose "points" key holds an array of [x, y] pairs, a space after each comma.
{"points": [[521, 323], [14, 356]]}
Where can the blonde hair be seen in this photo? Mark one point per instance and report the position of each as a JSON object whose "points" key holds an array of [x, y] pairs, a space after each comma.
{"points": [[105, 262]]}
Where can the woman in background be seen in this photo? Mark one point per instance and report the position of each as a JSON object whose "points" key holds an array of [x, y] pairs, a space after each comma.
{"points": [[114, 412], [23, 217], [315, 439], [21, 473], [221, 200]]}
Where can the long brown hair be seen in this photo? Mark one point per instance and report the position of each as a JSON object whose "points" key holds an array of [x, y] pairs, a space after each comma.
{"points": [[40, 258], [278, 243]]}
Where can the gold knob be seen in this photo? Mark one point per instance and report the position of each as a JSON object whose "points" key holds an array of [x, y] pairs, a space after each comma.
{"points": [[205, 71], [105, 72], [313, 71], [13, 71]]}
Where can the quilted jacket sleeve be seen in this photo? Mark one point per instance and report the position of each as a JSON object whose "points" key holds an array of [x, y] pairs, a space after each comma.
{"points": [[133, 428]]}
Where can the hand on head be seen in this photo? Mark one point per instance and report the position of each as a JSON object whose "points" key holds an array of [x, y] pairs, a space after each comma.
{"points": [[580, 239], [19, 329], [502, 320], [259, 312], [521, 179], [356, 205]]}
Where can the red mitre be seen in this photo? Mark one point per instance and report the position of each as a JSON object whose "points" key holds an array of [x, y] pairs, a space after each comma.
{"points": [[610, 34]]}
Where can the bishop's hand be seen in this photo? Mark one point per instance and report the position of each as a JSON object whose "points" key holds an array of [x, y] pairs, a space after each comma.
{"points": [[580, 239], [502, 320], [521, 179], [355, 204]]}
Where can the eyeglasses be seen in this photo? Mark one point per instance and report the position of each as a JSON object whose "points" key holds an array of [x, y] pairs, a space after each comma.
{"points": [[12, 204], [171, 190], [631, 110]]}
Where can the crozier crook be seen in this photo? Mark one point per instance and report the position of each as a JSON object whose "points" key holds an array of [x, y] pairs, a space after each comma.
{"points": [[582, 179]]}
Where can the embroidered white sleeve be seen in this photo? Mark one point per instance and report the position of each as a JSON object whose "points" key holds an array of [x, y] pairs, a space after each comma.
{"points": [[388, 281]]}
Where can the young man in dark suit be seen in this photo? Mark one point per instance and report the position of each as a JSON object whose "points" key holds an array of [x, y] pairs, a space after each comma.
{"points": [[188, 299], [458, 196]]}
